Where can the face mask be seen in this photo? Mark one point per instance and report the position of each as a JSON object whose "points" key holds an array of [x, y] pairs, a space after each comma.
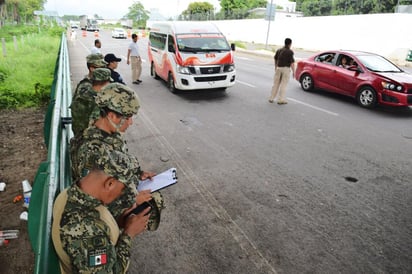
{"points": [[117, 126]]}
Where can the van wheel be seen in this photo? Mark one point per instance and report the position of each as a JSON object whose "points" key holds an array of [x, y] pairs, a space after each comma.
{"points": [[153, 72], [171, 83]]}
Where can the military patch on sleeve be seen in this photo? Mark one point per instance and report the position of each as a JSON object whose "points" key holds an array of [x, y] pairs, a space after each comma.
{"points": [[97, 253], [97, 257]]}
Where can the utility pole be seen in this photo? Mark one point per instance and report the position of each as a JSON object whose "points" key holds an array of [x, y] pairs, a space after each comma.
{"points": [[269, 19]]}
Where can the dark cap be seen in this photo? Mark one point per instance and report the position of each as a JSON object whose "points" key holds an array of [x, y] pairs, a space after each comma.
{"points": [[110, 57]]}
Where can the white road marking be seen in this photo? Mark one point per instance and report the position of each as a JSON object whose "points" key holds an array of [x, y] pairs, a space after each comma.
{"points": [[246, 84], [314, 107], [243, 58]]}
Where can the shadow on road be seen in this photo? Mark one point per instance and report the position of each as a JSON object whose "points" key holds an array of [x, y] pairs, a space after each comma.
{"points": [[203, 95], [400, 112]]}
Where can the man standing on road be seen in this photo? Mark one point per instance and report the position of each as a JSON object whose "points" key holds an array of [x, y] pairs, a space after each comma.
{"points": [[284, 62], [133, 58], [113, 62], [96, 48]]}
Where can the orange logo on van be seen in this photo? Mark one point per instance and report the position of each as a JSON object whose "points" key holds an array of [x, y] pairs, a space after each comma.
{"points": [[194, 61], [210, 55]]}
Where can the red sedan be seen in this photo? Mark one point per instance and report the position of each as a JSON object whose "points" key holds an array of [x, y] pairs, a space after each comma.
{"points": [[368, 77]]}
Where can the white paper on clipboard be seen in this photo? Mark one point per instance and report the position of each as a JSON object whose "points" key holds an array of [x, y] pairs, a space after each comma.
{"points": [[159, 181]]}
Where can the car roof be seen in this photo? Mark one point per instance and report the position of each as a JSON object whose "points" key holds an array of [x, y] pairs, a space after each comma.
{"points": [[352, 52]]}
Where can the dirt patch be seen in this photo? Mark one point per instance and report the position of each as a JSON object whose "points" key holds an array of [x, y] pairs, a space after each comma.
{"points": [[22, 149]]}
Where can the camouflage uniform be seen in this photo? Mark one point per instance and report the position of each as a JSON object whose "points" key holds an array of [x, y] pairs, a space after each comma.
{"points": [[83, 106], [85, 85], [86, 237], [95, 142], [93, 60]]}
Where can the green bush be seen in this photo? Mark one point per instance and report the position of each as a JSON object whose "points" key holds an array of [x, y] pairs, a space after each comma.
{"points": [[239, 44], [8, 100]]}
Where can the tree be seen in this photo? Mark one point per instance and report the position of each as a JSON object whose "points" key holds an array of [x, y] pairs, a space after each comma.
{"points": [[19, 10], [138, 14], [198, 11], [339, 7], [240, 8]]}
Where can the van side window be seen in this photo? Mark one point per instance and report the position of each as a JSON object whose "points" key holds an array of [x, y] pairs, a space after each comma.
{"points": [[157, 40], [171, 43]]}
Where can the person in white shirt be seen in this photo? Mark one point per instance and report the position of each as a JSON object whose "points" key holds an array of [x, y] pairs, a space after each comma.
{"points": [[133, 58], [96, 48]]}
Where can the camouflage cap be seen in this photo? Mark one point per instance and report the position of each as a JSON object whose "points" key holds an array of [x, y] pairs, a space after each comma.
{"points": [[96, 60], [101, 74], [115, 164], [119, 98]]}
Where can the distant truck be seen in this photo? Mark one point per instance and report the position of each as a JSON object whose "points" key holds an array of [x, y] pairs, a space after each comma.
{"points": [[127, 23], [88, 24], [191, 56], [83, 22]]}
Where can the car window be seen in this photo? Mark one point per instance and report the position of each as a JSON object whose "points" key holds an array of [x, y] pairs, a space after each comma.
{"points": [[344, 61], [378, 63], [325, 58]]}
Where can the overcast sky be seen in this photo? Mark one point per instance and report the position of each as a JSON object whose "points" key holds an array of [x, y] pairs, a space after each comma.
{"points": [[114, 9]]}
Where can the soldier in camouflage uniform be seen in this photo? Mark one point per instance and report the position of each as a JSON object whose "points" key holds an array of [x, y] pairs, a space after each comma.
{"points": [[83, 106], [93, 61], [86, 237], [117, 104]]}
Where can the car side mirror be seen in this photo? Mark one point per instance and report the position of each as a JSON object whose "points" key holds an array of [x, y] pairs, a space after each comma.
{"points": [[233, 46], [171, 49]]}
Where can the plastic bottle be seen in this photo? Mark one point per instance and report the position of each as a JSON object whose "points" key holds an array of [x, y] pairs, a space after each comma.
{"points": [[26, 193]]}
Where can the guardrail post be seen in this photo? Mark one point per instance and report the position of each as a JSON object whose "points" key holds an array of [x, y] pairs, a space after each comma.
{"points": [[3, 42], [15, 43]]}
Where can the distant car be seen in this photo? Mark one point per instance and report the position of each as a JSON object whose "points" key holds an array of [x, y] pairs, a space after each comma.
{"points": [[92, 28], [369, 78], [74, 27], [119, 33]]}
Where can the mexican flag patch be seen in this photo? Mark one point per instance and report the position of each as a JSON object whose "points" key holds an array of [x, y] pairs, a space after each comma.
{"points": [[97, 259]]}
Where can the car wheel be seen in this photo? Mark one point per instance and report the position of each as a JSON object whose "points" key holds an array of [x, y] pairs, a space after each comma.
{"points": [[306, 82], [153, 72], [171, 83], [366, 97]]}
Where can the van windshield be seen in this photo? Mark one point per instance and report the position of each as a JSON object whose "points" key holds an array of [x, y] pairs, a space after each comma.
{"points": [[202, 43]]}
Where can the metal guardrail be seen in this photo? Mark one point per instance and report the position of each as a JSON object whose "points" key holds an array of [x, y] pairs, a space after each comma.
{"points": [[53, 175]]}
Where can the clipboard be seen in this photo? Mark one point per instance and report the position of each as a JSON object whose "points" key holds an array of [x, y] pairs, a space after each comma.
{"points": [[160, 181]]}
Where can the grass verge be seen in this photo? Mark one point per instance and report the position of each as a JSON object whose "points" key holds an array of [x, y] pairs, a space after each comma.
{"points": [[27, 65]]}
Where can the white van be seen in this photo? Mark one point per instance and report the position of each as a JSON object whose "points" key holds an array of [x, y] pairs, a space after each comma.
{"points": [[191, 55]]}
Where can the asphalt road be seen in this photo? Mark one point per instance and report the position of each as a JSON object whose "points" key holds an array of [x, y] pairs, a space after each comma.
{"points": [[319, 185]]}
